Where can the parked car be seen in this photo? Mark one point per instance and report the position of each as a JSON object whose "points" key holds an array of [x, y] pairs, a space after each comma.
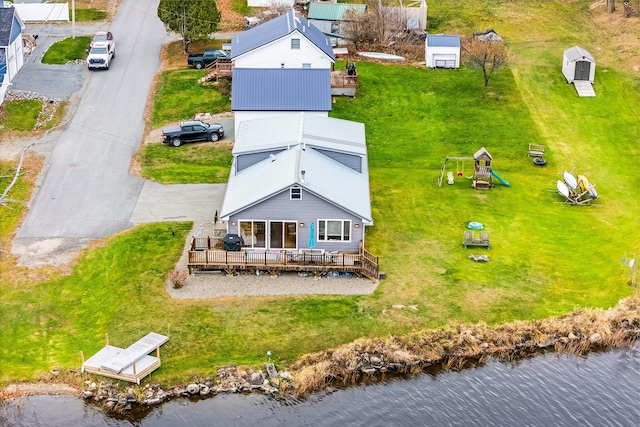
{"points": [[199, 60], [192, 131], [101, 54], [101, 36]]}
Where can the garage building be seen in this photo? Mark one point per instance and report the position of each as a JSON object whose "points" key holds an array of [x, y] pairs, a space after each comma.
{"points": [[442, 51]]}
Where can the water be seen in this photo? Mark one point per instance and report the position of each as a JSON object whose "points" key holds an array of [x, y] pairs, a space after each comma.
{"points": [[600, 390]]}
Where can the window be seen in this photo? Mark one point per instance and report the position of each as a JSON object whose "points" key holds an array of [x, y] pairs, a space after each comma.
{"points": [[253, 234], [296, 193], [295, 43], [334, 229]]}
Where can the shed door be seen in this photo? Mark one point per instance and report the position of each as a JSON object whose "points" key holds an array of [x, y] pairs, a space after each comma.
{"points": [[582, 70], [444, 61]]}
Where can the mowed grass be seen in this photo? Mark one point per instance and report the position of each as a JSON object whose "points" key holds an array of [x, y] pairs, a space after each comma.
{"points": [[179, 96], [546, 257], [193, 163], [90, 14], [67, 50], [20, 115]]}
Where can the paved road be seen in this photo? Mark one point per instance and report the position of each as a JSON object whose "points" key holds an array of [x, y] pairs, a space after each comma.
{"points": [[88, 192]]}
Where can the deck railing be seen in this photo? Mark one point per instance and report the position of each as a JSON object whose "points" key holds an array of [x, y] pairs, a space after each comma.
{"points": [[202, 256]]}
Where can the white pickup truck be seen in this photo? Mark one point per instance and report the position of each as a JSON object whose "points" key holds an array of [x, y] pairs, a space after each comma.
{"points": [[101, 54]]}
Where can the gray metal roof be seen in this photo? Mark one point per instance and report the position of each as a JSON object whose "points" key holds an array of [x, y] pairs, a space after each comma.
{"points": [[6, 24], [289, 130], [281, 89], [277, 28], [440, 40], [575, 53], [324, 177]]}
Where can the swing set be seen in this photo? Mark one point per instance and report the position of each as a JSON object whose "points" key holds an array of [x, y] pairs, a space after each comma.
{"points": [[459, 168]]}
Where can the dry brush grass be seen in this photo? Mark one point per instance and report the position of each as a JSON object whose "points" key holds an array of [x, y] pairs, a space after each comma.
{"points": [[576, 333]]}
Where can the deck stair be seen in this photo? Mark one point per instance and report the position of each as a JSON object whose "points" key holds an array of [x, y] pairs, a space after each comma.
{"points": [[221, 67]]}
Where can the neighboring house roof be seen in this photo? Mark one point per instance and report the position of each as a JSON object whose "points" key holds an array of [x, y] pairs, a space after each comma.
{"points": [[440, 40], [10, 25], [324, 178], [281, 89], [277, 28], [577, 53], [332, 11]]}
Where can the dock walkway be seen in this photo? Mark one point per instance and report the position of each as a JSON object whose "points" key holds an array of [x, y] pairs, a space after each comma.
{"points": [[130, 364]]}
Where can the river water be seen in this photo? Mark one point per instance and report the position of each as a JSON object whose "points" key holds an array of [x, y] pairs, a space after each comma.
{"points": [[602, 389]]}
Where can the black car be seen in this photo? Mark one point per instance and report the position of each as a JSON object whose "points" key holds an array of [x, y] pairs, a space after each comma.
{"points": [[192, 131]]}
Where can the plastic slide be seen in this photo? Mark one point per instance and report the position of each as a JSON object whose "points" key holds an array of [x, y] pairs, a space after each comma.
{"points": [[499, 178]]}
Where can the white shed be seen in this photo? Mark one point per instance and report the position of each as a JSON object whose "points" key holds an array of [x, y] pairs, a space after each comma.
{"points": [[442, 51], [578, 64]]}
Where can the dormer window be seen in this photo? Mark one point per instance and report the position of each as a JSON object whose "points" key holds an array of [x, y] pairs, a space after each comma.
{"points": [[295, 43], [295, 193]]}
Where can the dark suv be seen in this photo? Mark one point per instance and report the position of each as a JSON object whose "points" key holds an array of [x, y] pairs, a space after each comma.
{"points": [[192, 131]]}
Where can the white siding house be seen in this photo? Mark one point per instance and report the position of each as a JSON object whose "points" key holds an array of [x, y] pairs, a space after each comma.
{"points": [[442, 51], [288, 41], [11, 53]]}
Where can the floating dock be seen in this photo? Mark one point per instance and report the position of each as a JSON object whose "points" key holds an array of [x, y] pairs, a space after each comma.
{"points": [[130, 364]]}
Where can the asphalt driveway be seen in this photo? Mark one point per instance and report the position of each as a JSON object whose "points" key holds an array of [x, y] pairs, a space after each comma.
{"points": [[87, 191]]}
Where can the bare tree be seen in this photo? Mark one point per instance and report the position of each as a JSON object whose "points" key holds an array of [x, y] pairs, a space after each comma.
{"points": [[485, 55], [374, 28], [611, 6]]}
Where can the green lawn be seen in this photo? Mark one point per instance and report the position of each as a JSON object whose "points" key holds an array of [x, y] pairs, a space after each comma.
{"points": [[179, 96], [67, 50], [546, 258], [193, 163], [20, 115], [88, 15]]}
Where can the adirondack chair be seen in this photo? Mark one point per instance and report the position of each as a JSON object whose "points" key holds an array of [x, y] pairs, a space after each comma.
{"points": [[468, 238], [484, 239]]}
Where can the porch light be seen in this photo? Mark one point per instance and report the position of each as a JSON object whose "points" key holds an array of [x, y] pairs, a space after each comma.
{"points": [[233, 223], [302, 224], [357, 225]]}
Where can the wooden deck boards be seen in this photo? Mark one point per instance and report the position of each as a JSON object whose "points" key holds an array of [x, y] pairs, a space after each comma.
{"points": [[130, 364]]}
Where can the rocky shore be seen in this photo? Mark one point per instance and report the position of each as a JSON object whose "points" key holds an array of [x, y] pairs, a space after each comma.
{"points": [[229, 379]]}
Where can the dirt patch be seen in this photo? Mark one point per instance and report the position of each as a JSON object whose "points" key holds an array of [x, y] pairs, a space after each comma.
{"points": [[15, 391], [618, 37]]}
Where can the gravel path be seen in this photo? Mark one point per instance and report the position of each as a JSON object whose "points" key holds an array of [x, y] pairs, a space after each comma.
{"points": [[216, 284]]}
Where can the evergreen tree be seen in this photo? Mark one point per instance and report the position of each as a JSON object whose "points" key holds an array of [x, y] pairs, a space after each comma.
{"points": [[192, 19]]}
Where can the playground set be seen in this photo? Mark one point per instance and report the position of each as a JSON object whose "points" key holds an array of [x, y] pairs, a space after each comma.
{"points": [[576, 190], [483, 173]]}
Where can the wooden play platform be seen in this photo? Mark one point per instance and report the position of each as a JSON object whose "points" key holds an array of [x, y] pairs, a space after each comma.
{"points": [[130, 364]]}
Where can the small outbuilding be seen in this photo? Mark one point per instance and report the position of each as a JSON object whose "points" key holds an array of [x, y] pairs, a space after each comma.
{"points": [[442, 51], [578, 65]]}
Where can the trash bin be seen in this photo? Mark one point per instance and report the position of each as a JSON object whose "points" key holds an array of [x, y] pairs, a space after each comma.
{"points": [[231, 243]]}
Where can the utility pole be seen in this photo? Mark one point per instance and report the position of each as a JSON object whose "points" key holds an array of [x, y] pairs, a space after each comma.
{"points": [[73, 19]]}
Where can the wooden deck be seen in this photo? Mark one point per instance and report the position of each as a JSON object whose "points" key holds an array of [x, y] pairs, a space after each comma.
{"points": [[217, 69], [130, 364], [203, 256], [343, 84]]}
